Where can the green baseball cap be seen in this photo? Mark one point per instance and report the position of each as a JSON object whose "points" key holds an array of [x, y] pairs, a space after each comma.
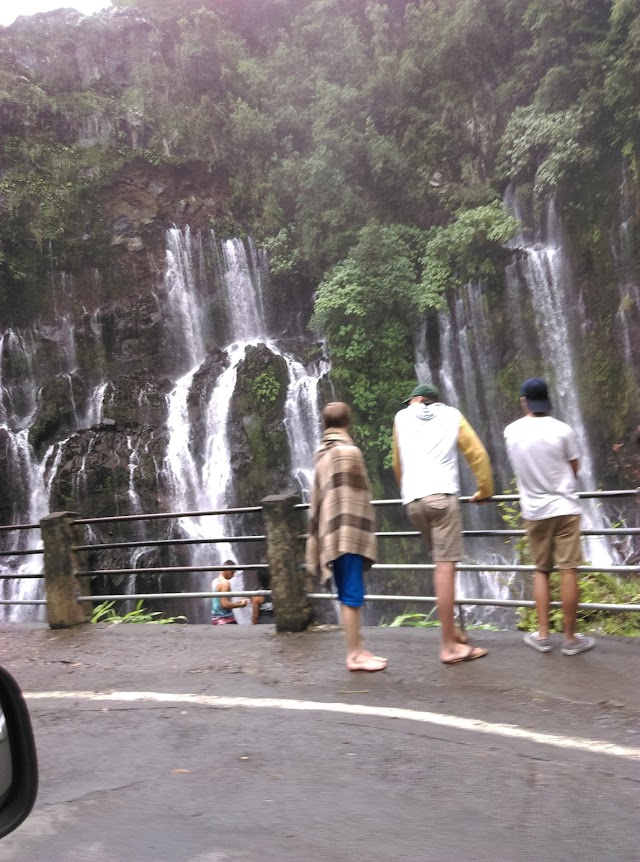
{"points": [[423, 390]]}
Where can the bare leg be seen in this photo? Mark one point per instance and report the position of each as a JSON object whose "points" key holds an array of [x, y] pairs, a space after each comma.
{"points": [[451, 647], [357, 657], [542, 598], [569, 596], [351, 625]]}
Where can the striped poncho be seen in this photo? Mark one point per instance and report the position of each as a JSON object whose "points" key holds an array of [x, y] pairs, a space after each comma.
{"points": [[342, 520]]}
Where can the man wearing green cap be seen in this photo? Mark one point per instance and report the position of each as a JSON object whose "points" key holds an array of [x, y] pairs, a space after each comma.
{"points": [[426, 438]]}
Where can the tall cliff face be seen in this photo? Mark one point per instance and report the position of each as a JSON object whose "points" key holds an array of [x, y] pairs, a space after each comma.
{"points": [[149, 365]]}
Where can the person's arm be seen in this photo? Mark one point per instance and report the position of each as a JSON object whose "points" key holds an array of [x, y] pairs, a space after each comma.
{"points": [[312, 548], [226, 602], [571, 450], [395, 458], [256, 601], [477, 458]]}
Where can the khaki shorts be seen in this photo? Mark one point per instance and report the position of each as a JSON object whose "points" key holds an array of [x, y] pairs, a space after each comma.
{"points": [[438, 519], [555, 542]]}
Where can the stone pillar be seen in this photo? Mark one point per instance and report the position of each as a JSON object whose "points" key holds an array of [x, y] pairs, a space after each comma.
{"points": [[61, 562], [284, 525]]}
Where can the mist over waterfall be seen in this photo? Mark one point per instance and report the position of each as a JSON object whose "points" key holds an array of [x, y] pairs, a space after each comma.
{"points": [[543, 271], [183, 437], [488, 341], [203, 401], [464, 370], [199, 471]]}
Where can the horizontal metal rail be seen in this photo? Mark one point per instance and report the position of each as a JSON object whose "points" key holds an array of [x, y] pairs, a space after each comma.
{"points": [[19, 577], [158, 516], [497, 498], [164, 542], [495, 567], [202, 595], [26, 553], [612, 531], [415, 534], [466, 567], [498, 603], [511, 498], [173, 570], [23, 601]]}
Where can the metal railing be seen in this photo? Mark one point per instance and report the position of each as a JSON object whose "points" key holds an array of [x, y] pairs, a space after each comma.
{"points": [[92, 574]]}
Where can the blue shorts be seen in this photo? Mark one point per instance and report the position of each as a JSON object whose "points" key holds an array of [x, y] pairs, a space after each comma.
{"points": [[347, 573]]}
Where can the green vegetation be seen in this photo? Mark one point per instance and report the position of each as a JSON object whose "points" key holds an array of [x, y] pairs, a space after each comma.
{"points": [[265, 387], [365, 144], [425, 621], [595, 588], [105, 613]]}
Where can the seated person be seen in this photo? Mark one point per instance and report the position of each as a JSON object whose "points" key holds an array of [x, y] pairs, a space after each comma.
{"points": [[262, 606], [222, 608]]}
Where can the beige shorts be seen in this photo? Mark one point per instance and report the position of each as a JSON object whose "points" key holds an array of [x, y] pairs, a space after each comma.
{"points": [[555, 542], [438, 519]]}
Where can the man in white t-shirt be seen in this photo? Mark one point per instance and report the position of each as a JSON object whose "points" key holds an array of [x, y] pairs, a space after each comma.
{"points": [[544, 455], [427, 436]]}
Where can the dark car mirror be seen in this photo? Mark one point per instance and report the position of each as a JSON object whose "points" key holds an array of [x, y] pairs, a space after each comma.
{"points": [[18, 762]]}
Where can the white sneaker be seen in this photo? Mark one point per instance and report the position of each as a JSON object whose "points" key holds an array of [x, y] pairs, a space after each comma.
{"points": [[581, 644], [534, 640]]}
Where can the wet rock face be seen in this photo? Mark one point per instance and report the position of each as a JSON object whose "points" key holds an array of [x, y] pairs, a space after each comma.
{"points": [[143, 201], [134, 401], [203, 384], [11, 488], [107, 470], [258, 441], [56, 415], [133, 336]]}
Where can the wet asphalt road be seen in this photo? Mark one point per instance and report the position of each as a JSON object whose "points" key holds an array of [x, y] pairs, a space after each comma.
{"points": [[515, 757]]}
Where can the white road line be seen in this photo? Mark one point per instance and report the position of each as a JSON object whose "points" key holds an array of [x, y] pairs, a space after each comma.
{"points": [[513, 731]]}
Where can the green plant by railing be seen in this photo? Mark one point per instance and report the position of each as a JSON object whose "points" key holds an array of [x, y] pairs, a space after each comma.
{"points": [[425, 621], [105, 613], [422, 621], [595, 588]]}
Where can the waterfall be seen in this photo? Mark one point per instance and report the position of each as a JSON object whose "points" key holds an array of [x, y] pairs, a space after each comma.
{"points": [[26, 497], [463, 373], [628, 315], [302, 420], [184, 296], [243, 289], [207, 482], [544, 273]]}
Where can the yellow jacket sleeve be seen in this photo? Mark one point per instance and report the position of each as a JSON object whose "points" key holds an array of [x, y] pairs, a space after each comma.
{"points": [[395, 459], [477, 458]]}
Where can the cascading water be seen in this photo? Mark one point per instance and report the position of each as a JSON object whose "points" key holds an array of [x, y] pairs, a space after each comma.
{"points": [[543, 272], [628, 316], [207, 483], [26, 490], [466, 367], [196, 267], [302, 420]]}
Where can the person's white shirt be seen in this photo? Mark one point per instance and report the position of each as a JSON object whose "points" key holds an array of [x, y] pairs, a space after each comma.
{"points": [[540, 449], [427, 437]]}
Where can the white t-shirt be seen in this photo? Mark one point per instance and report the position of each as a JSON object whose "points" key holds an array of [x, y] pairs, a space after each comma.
{"points": [[539, 449], [427, 437]]}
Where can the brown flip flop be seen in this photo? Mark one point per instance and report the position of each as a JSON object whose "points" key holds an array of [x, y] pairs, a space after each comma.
{"points": [[473, 653]]}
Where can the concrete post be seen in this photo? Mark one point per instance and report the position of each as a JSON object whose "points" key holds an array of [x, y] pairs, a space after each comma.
{"points": [[284, 525], [61, 562]]}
